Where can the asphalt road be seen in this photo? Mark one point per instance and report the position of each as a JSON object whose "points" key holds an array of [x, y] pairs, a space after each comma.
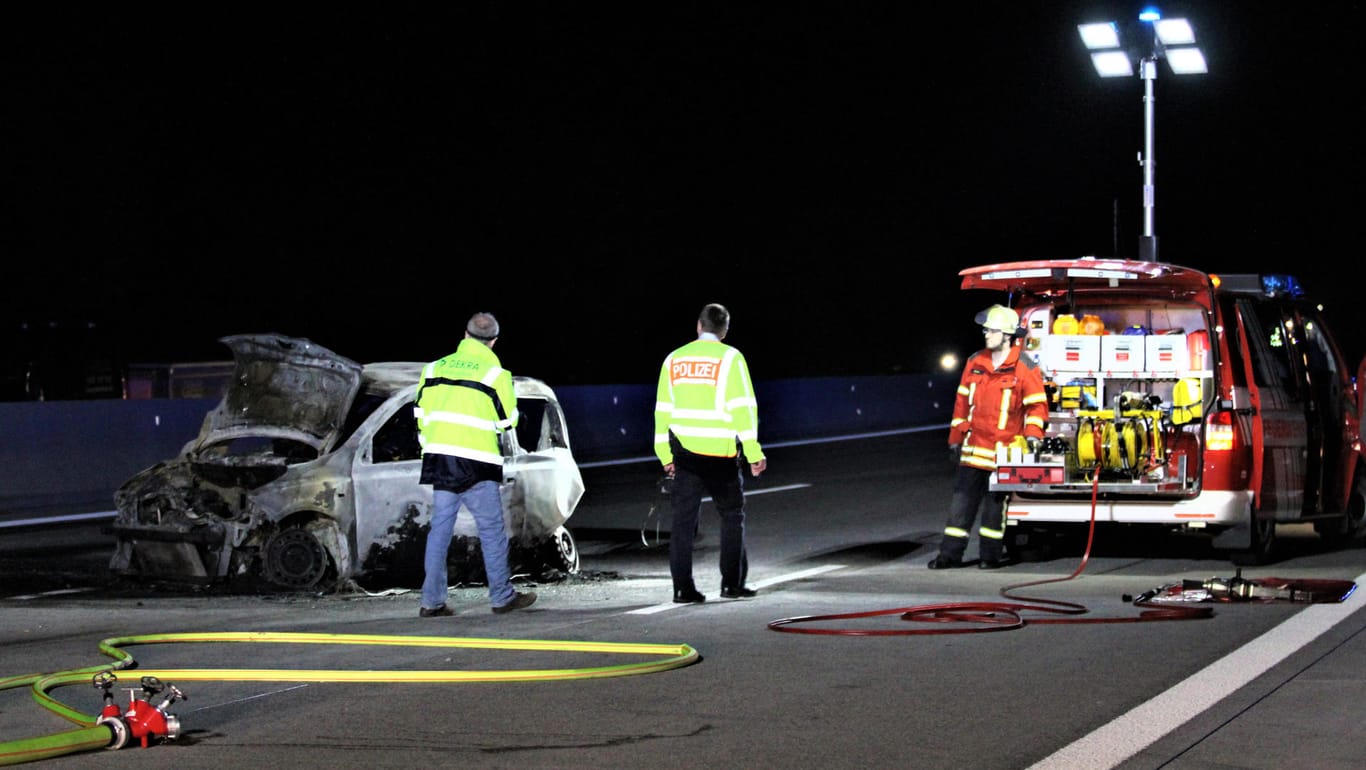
{"points": [[841, 529]]}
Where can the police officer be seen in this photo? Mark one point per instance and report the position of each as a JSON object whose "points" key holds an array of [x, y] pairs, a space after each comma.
{"points": [[1000, 397], [705, 406], [464, 402]]}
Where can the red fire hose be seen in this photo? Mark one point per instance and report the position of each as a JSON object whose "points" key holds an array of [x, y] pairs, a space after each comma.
{"points": [[982, 617]]}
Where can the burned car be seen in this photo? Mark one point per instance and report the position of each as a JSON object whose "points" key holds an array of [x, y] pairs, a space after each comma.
{"points": [[305, 477]]}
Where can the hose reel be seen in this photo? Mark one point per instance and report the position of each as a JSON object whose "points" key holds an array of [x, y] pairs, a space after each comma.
{"points": [[1130, 445]]}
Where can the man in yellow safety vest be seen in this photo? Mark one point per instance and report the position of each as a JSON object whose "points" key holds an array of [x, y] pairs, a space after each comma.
{"points": [[706, 427], [464, 402]]}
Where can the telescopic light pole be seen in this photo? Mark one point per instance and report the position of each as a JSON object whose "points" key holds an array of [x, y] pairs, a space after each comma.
{"points": [[1171, 39], [1147, 243]]}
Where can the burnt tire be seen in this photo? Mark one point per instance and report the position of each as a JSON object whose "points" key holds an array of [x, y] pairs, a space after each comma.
{"points": [[560, 552], [295, 560]]}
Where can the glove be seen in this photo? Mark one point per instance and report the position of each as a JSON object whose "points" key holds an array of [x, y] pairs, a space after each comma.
{"points": [[1034, 444], [956, 452]]}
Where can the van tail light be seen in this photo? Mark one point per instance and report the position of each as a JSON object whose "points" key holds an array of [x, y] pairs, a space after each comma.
{"points": [[1219, 432]]}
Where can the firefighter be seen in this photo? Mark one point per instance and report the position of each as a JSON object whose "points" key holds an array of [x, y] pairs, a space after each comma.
{"points": [[1000, 397], [706, 428]]}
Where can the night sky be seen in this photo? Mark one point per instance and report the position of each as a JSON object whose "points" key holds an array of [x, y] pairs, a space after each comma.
{"points": [[594, 173]]}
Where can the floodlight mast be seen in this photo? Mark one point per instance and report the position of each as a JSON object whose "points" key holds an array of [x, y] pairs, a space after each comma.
{"points": [[1111, 61], [1147, 70], [1147, 243]]}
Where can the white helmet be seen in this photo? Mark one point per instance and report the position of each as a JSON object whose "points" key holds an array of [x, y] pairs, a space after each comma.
{"points": [[999, 318]]}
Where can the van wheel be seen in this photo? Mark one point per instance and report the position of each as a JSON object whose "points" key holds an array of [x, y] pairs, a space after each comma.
{"points": [[1350, 530], [1263, 545]]}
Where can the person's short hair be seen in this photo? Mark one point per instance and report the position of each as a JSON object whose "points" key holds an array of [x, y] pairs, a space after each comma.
{"points": [[715, 318], [483, 327]]}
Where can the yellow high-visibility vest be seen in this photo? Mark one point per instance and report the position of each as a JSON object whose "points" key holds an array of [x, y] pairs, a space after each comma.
{"points": [[454, 418], [706, 399]]}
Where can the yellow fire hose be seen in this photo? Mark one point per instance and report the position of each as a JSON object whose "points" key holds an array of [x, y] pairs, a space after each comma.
{"points": [[93, 736]]}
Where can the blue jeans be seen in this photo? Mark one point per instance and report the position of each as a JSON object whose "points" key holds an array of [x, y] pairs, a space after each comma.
{"points": [[486, 505]]}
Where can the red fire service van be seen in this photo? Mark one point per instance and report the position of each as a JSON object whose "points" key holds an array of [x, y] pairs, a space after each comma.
{"points": [[1202, 403]]}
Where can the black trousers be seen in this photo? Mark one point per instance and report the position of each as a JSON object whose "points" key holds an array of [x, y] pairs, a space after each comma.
{"points": [[695, 477], [972, 495]]}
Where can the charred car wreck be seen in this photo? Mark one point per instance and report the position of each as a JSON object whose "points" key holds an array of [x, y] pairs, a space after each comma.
{"points": [[305, 477]]}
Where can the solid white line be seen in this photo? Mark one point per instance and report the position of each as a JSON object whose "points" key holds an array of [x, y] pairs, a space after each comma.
{"points": [[789, 577], [1112, 744]]}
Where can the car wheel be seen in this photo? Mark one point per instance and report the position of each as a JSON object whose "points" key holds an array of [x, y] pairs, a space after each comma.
{"points": [[295, 560], [560, 552]]}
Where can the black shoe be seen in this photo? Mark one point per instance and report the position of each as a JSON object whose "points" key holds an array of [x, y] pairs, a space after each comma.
{"points": [[738, 593], [944, 562], [438, 612], [690, 596], [993, 563], [519, 602]]}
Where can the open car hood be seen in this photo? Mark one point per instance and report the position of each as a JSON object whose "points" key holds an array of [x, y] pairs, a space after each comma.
{"points": [[283, 386]]}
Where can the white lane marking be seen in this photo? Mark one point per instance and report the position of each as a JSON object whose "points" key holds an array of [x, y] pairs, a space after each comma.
{"points": [[1108, 746], [775, 444], [789, 577], [58, 592], [48, 520], [761, 584], [753, 492], [788, 488]]}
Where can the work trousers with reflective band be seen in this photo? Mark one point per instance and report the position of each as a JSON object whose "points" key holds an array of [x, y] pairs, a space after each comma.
{"points": [[720, 478], [971, 495], [485, 504]]}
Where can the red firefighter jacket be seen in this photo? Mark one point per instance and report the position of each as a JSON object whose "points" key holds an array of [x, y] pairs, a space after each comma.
{"points": [[995, 405]]}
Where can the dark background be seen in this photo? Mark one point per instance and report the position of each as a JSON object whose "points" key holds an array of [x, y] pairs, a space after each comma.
{"points": [[594, 173]]}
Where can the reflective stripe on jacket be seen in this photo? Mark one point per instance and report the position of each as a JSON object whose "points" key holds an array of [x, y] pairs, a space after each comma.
{"points": [[705, 398], [994, 405]]}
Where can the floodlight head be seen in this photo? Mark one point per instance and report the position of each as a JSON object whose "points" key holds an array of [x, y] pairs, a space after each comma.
{"points": [[1175, 32], [1099, 35], [1186, 61], [1112, 64], [1149, 14]]}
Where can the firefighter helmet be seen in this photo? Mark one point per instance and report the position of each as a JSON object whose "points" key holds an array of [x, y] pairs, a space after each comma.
{"points": [[999, 318]]}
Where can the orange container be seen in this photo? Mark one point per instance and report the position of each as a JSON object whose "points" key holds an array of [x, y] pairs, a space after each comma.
{"points": [[1197, 343]]}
